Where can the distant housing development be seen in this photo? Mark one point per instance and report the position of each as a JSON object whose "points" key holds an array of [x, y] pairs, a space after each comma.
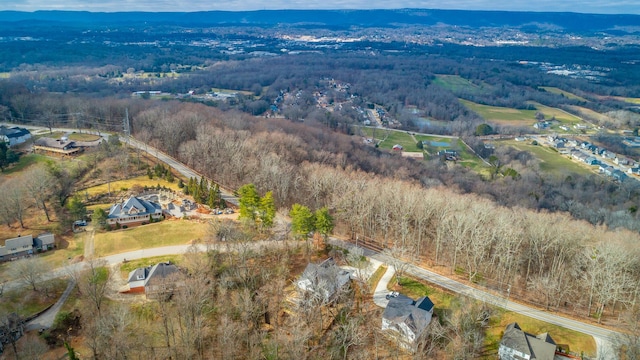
{"points": [[134, 211]]}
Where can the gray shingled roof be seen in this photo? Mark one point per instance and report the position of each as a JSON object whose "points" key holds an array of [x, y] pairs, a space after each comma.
{"points": [[133, 207], [415, 314], [13, 132], [541, 347]]}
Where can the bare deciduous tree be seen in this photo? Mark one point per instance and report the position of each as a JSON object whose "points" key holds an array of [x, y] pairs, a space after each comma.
{"points": [[29, 271], [39, 184]]}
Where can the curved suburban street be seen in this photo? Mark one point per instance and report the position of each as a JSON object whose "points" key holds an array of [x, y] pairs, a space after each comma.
{"points": [[603, 336]]}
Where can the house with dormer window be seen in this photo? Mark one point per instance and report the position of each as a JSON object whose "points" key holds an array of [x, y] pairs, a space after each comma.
{"points": [[134, 211]]}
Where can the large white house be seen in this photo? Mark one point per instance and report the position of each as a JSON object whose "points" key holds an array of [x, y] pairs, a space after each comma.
{"points": [[134, 211], [407, 319], [14, 135]]}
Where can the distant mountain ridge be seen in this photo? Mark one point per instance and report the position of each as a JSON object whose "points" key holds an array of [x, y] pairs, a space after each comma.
{"points": [[575, 22]]}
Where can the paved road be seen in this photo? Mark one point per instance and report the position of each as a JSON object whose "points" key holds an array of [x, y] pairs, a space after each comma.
{"points": [[380, 295], [45, 320], [177, 165], [146, 253], [602, 335], [89, 243]]}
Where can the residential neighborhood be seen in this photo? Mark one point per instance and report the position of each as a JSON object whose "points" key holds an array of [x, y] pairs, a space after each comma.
{"points": [[26, 245]]}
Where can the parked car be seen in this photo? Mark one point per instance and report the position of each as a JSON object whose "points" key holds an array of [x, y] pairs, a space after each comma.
{"points": [[392, 295], [80, 223]]}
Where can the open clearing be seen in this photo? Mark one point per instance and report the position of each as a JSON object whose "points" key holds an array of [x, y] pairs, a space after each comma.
{"points": [[24, 162], [388, 138], [566, 94], [128, 184], [551, 161], [458, 84], [164, 233], [502, 115], [560, 115], [591, 115]]}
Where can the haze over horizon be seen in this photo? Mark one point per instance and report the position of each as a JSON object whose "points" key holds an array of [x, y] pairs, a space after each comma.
{"points": [[579, 6]]}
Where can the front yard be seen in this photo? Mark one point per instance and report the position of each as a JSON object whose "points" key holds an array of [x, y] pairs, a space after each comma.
{"points": [[164, 233]]}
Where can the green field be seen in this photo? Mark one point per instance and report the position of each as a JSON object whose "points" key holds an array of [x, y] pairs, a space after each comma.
{"points": [[231, 91], [164, 233], [457, 84], [24, 162], [568, 95], [628, 99], [551, 161], [83, 137], [387, 138], [502, 115], [560, 115]]}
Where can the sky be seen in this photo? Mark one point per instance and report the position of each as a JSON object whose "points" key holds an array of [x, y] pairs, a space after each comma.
{"points": [[582, 6]]}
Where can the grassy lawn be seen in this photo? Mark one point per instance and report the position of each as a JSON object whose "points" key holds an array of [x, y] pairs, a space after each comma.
{"points": [[588, 113], [399, 137], [231, 91], [27, 302], [415, 289], [164, 233], [83, 137], [560, 115], [128, 184], [445, 302], [551, 160], [435, 139], [568, 339], [502, 115], [24, 162], [470, 160], [456, 83], [375, 278], [628, 99], [388, 138], [568, 95]]}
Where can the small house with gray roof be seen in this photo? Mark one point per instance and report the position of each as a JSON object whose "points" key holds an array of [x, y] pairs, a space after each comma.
{"points": [[153, 280], [407, 319], [519, 345], [26, 245], [134, 211]]}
